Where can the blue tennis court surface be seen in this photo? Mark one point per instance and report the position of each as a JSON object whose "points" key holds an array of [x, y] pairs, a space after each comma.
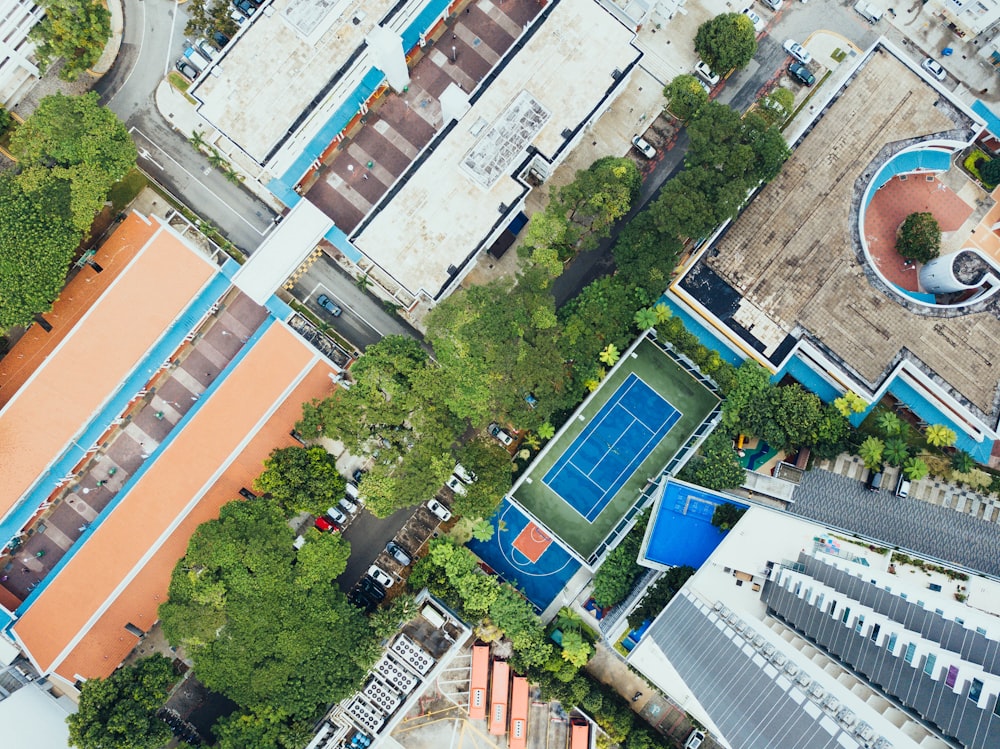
{"points": [[611, 447], [541, 580], [682, 531]]}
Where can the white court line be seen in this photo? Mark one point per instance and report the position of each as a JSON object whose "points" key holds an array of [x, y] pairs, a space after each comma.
{"points": [[232, 210]]}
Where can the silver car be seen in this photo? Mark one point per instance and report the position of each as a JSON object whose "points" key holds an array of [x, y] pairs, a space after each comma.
{"points": [[380, 576]]}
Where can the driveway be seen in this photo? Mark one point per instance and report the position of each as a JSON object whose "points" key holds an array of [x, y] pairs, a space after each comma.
{"points": [[153, 39]]}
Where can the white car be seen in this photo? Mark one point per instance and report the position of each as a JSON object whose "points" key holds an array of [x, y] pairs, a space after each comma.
{"points": [[797, 51], [758, 22], [500, 434], [443, 513], [380, 576], [455, 484], [772, 4], [644, 147], [705, 73], [933, 67]]}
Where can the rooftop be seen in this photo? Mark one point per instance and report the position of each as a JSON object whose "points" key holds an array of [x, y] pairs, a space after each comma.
{"points": [[790, 254], [75, 625], [541, 98]]}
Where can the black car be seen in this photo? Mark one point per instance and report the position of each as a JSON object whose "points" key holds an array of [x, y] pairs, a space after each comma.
{"points": [[245, 7], [801, 73], [221, 39], [357, 475], [370, 588]]}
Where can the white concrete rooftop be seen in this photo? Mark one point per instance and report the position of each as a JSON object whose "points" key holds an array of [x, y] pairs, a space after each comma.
{"points": [[266, 79], [453, 201]]}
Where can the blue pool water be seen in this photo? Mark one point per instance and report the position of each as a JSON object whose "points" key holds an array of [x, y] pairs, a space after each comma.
{"points": [[682, 530]]}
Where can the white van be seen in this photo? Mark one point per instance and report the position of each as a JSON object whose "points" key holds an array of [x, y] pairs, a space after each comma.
{"points": [[467, 476], [348, 505], [903, 487], [352, 491]]}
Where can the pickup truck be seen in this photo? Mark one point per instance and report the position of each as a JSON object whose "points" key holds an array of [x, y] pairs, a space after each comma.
{"points": [[871, 13]]}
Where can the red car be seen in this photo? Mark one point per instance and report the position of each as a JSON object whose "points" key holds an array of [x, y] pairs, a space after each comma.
{"points": [[324, 524]]}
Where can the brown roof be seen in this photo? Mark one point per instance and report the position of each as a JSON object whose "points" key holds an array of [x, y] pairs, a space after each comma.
{"points": [[76, 626], [97, 353], [790, 255]]}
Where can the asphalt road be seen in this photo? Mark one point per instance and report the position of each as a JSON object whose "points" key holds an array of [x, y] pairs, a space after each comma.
{"points": [[368, 536], [153, 39]]}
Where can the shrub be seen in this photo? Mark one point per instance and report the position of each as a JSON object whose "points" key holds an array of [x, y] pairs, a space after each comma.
{"points": [[919, 238]]}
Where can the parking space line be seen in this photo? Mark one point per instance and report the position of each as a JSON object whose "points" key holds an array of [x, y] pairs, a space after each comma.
{"points": [[145, 153]]}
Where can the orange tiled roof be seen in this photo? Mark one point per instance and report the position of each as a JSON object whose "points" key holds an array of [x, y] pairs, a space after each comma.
{"points": [[97, 353], [98, 576]]}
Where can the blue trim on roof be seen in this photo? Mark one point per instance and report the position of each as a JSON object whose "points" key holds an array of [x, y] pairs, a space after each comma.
{"points": [[229, 268], [137, 476], [283, 192], [116, 404], [809, 378], [992, 120], [278, 308], [5, 620], [333, 127], [425, 20], [338, 239]]}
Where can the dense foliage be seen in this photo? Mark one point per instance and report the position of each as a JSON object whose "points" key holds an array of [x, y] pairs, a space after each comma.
{"points": [[69, 154], [685, 96], [74, 30], [726, 42], [119, 712], [617, 574], [716, 466], [919, 237], [660, 592], [301, 479], [727, 515], [261, 621]]}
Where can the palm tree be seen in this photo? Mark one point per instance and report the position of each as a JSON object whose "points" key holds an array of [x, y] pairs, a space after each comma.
{"points": [[232, 174], [938, 435], [915, 468], [890, 424], [197, 140], [546, 431], [645, 318], [896, 451], [610, 354], [568, 620], [363, 282], [962, 462], [663, 312], [216, 159], [531, 440], [871, 452]]}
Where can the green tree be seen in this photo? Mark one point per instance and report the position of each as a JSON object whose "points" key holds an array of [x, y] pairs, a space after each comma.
{"points": [[919, 237], [322, 559], [387, 620], [491, 465], [302, 479], [990, 171], [666, 586], [685, 96], [483, 530], [871, 451], [262, 627], [119, 712], [597, 198], [716, 466], [645, 318], [890, 424], [575, 649], [617, 574], [72, 147], [260, 729], [850, 403], [74, 30], [644, 255], [915, 468], [749, 383], [896, 451], [938, 435], [726, 515], [727, 41], [834, 433], [962, 462]]}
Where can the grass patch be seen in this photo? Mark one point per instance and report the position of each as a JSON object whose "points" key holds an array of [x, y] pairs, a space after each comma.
{"points": [[683, 392], [838, 54], [124, 192], [971, 166], [178, 81], [806, 101]]}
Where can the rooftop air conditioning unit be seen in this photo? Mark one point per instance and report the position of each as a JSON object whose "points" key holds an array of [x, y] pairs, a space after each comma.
{"points": [[791, 669], [779, 659], [847, 717], [831, 704]]}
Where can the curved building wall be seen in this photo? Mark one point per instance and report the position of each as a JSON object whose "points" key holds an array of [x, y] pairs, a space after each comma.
{"points": [[938, 275]]}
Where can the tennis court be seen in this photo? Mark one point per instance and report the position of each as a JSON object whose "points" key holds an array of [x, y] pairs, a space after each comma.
{"points": [[581, 493], [611, 447]]}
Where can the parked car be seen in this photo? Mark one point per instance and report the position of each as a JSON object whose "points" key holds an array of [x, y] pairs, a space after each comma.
{"points": [[357, 475], [495, 430], [644, 147], [758, 22], [797, 51], [705, 73], [186, 69], [380, 576], [247, 494], [337, 515], [206, 48], [325, 524], [801, 73], [455, 484], [396, 552], [245, 7], [772, 4], [372, 589], [443, 513], [463, 473], [220, 39], [348, 506], [694, 740], [903, 487], [933, 67], [329, 305], [874, 482]]}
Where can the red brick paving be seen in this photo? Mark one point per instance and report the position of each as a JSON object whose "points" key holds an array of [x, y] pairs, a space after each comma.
{"points": [[892, 204]]}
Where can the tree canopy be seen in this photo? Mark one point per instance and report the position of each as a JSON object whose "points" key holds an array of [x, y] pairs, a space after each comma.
{"points": [[74, 30], [685, 96], [261, 621], [716, 466], [301, 479], [919, 237], [726, 42], [492, 467], [119, 712]]}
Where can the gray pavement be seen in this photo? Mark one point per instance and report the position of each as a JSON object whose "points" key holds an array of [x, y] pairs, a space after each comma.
{"points": [[911, 524]]}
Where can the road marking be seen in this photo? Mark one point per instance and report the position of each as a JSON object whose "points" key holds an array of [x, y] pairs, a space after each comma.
{"points": [[173, 24], [142, 39], [144, 153], [345, 305]]}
